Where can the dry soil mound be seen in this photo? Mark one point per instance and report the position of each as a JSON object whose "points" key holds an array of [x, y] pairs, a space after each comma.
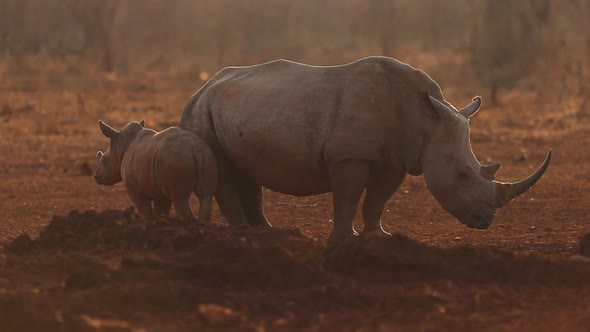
{"points": [[108, 271]]}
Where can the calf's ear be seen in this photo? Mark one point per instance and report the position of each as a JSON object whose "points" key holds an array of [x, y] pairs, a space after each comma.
{"points": [[142, 123], [107, 130], [99, 155]]}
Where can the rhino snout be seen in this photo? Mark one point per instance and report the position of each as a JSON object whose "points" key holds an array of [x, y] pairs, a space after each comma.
{"points": [[477, 220]]}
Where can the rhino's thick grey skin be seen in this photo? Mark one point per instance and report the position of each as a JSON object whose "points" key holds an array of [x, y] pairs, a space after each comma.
{"points": [[160, 167], [306, 130]]}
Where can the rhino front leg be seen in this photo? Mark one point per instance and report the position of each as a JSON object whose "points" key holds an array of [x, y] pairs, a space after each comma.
{"points": [[380, 188], [347, 181]]}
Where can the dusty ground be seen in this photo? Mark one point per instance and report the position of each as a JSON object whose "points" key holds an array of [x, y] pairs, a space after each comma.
{"points": [[102, 269]]}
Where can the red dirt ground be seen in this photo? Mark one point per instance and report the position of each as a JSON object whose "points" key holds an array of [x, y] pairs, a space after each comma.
{"points": [[101, 269]]}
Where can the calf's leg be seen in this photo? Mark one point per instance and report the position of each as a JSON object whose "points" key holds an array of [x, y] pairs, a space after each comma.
{"points": [[162, 207], [182, 207], [205, 208], [143, 205]]}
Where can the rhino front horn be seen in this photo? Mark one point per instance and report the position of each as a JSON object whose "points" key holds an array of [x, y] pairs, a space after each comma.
{"points": [[508, 191]]}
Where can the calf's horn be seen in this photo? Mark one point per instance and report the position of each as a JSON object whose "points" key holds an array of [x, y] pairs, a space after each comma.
{"points": [[505, 192]]}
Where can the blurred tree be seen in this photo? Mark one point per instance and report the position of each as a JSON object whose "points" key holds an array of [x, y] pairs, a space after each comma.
{"points": [[504, 46], [17, 30], [504, 39], [96, 19], [382, 20]]}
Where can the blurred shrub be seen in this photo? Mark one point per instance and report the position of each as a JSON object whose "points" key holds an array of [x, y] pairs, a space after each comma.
{"points": [[505, 40]]}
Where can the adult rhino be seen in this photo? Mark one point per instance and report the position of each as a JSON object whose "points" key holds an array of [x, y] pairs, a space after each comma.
{"points": [[306, 130]]}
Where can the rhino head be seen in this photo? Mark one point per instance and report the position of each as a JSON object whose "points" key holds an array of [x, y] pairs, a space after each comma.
{"points": [[454, 176], [108, 171]]}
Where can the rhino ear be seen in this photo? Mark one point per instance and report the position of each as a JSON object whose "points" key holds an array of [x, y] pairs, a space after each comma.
{"points": [[472, 108], [142, 123], [99, 155], [107, 130], [445, 113]]}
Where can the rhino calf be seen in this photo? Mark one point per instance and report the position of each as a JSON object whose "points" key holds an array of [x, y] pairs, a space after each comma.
{"points": [[160, 167]]}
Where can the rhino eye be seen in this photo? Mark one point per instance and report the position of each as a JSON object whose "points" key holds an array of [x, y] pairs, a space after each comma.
{"points": [[462, 175]]}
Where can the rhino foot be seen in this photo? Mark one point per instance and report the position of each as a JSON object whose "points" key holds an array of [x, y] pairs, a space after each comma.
{"points": [[263, 225], [377, 233], [340, 237], [380, 231]]}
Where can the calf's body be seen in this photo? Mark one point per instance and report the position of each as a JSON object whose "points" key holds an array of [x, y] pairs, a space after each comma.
{"points": [[160, 169]]}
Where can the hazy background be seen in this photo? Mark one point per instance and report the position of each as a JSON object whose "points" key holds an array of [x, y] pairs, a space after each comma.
{"points": [[499, 45]]}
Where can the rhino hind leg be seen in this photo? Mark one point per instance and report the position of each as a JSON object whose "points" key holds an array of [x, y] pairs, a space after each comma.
{"points": [[252, 198], [380, 188], [227, 194], [347, 181]]}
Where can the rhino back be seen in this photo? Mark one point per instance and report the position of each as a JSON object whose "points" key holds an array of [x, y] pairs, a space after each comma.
{"points": [[282, 122]]}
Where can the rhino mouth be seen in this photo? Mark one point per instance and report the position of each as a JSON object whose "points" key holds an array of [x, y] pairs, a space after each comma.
{"points": [[477, 220]]}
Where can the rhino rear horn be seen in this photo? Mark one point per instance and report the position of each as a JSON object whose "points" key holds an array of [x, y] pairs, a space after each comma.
{"points": [[489, 171], [472, 108], [445, 113], [505, 192], [107, 130]]}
